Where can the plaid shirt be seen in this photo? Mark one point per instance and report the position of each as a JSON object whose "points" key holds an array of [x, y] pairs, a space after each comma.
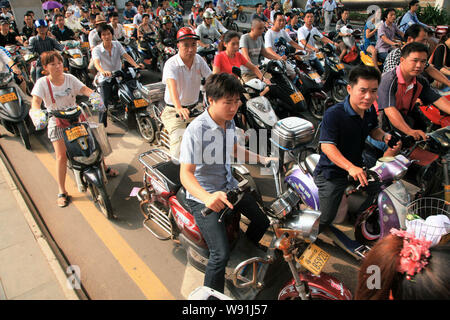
{"points": [[393, 60]]}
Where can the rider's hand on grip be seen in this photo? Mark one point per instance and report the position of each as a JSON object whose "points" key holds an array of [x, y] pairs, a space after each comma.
{"points": [[216, 202], [358, 174]]}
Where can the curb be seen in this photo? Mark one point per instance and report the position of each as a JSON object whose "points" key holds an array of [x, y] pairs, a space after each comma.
{"points": [[53, 262]]}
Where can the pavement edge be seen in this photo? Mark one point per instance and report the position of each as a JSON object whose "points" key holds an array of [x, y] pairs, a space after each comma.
{"points": [[41, 239]]}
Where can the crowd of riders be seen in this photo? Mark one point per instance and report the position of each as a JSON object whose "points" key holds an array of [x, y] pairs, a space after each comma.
{"points": [[403, 47]]}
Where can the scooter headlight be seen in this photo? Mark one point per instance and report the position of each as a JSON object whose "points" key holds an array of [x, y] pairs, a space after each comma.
{"points": [[137, 94], [334, 60], [88, 160], [260, 106]]}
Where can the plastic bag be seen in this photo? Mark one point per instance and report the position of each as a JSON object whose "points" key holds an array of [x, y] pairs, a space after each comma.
{"points": [[99, 131]]}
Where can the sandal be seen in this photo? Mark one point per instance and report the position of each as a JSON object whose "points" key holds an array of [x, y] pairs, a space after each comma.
{"points": [[63, 200], [111, 173]]}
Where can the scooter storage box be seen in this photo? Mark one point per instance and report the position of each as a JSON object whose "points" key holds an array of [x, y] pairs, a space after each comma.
{"points": [[292, 132]]}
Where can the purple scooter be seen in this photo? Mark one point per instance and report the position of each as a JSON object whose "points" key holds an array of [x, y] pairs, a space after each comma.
{"points": [[389, 211]]}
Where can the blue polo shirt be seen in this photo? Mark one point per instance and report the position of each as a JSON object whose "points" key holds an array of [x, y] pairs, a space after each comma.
{"points": [[209, 147], [344, 128]]}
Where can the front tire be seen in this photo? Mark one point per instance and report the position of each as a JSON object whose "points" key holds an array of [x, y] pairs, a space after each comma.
{"points": [[339, 92], [367, 227], [146, 127], [100, 196], [316, 107], [23, 132]]}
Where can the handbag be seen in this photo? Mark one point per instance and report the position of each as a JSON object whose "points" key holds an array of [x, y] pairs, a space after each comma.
{"points": [[61, 123]]}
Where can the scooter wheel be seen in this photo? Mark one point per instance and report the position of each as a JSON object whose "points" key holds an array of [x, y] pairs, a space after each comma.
{"points": [[24, 135], [367, 228], [101, 197], [147, 128]]}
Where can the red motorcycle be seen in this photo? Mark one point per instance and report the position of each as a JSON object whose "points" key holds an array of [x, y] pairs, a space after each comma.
{"points": [[433, 117], [167, 216]]}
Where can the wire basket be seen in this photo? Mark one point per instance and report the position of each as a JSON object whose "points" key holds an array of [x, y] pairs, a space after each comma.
{"points": [[430, 229]]}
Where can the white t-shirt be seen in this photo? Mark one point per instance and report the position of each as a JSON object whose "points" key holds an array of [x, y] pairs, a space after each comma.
{"points": [[65, 95], [188, 81], [4, 59], [271, 39], [302, 34]]}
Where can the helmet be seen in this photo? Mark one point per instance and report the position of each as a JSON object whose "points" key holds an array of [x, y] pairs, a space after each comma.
{"points": [[39, 118], [166, 19], [186, 33], [208, 15], [40, 23]]}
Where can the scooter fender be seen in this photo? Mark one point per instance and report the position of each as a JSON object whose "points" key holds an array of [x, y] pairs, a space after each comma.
{"points": [[125, 95], [321, 287], [386, 212], [186, 223], [303, 184], [94, 175], [14, 111], [340, 82]]}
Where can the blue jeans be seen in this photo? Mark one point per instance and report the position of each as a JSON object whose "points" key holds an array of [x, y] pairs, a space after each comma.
{"points": [[215, 235], [315, 63]]}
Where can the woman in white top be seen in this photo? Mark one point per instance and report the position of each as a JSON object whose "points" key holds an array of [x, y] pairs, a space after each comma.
{"points": [[64, 89]]}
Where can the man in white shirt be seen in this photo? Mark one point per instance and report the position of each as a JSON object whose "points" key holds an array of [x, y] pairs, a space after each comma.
{"points": [[182, 75], [137, 20], [119, 31], [273, 44], [305, 36], [107, 58], [328, 8]]}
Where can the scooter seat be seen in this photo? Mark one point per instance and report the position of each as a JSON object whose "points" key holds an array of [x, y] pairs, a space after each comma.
{"points": [[170, 172], [181, 197], [311, 162]]}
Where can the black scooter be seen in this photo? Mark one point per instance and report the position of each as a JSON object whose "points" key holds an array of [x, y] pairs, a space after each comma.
{"points": [[131, 103], [85, 158], [13, 110]]}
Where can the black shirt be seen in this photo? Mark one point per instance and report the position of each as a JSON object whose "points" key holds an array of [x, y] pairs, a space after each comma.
{"points": [[9, 39], [344, 128], [438, 57], [66, 34], [29, 32]]}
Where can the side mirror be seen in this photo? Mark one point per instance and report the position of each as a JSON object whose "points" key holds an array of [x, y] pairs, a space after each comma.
{"points": [[236, 71]]}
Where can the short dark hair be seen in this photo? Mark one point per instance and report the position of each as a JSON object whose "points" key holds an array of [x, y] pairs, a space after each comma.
{"points": [[59, 15], [145, 15], [258, 4], [386, 12], [278, 13], [363, 72], [220, 85], [413, 31], [413, 2], [104, 27], [114, 14], [414, 47]]}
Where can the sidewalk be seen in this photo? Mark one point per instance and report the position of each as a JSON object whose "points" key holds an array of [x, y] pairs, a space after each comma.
{"points": [[28, 268]]}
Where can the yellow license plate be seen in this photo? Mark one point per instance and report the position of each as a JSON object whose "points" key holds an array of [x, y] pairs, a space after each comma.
{"points": [[76, 132], [297, 97], [85, 44], [76, 56], [314, 259], [314, 75], [234, 16], [8, 97], [140, 103], [340, 66], [319, 55]]}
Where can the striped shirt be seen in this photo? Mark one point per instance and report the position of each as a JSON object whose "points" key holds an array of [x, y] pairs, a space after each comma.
{"points": [[39, 45]]}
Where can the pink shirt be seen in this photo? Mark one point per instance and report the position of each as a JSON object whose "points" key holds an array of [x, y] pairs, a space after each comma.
{"points": [[225, 63]]}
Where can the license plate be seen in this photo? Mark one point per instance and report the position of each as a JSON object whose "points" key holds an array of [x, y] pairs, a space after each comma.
{"points": [[76, 56], [235, 16], [85, 44], [140, 103], [319, 55], [340, 66], [76, 132], [297, 97], [8, 97], [314, 75], [314, 259]]}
